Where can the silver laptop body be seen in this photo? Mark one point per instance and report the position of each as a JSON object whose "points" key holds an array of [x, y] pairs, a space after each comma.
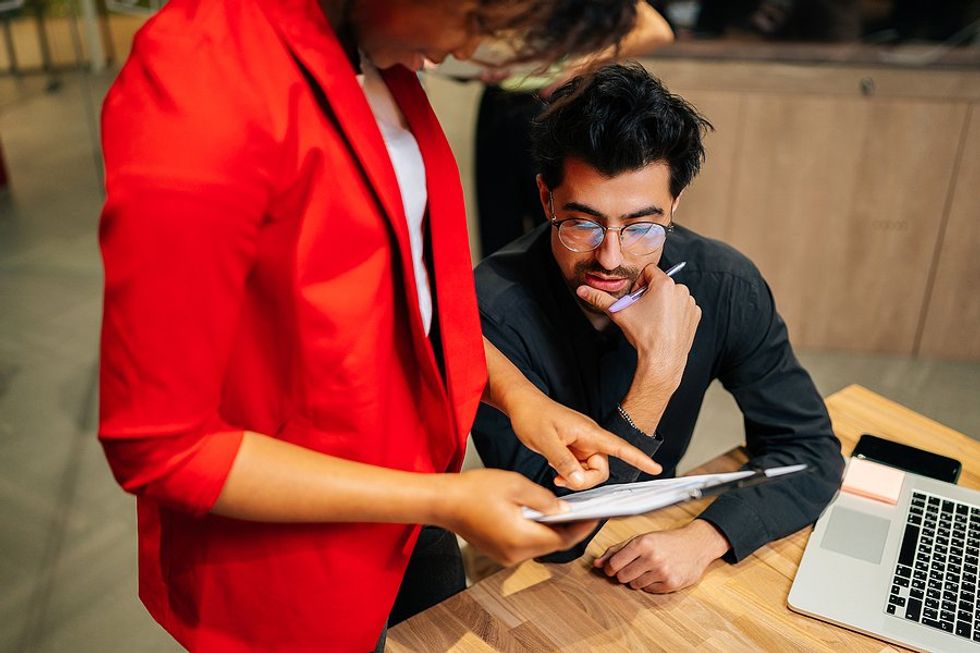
{"points": [[853, 572]]}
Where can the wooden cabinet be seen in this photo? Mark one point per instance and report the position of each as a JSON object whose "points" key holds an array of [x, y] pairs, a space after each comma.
{"points": [[706, 204], [843, 228], [861, 209], [951, 326]]}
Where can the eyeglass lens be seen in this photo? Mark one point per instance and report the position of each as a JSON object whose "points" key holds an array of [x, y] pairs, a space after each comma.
{"points": [[585, 236]]}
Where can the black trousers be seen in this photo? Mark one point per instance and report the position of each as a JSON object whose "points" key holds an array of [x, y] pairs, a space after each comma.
{"points": [[506, 193], [435, 572]]}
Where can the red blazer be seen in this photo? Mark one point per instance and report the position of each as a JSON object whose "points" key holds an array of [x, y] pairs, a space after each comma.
{"points": [[259, 277]]}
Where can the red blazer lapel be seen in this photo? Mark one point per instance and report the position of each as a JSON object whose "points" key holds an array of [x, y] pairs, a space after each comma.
{"points": [[454, 283], [309, 37]]}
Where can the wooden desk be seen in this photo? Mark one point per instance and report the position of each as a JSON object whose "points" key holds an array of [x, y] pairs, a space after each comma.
{"points": [[538, 607]]}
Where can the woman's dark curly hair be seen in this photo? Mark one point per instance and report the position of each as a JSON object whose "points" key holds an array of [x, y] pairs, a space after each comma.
{"points": [[548, 30], [617, 119]]}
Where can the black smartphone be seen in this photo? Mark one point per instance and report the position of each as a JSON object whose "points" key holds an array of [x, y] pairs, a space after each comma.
{"points": [[910, 459]]}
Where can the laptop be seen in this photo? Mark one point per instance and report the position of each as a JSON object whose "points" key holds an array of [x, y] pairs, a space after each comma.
{"points": [[904, 573]]}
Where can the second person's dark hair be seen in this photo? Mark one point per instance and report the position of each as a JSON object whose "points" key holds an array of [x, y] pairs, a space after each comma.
{"points": [[546, 31], [616, 119]]}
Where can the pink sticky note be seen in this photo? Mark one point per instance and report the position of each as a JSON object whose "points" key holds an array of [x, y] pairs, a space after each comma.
{"points": [[873, 480]]}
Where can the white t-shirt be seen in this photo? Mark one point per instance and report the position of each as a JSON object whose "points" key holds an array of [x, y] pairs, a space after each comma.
{"points": [[406, 158]]}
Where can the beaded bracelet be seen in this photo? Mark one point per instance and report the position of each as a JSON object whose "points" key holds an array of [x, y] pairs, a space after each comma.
{"points": [[629, 420]]}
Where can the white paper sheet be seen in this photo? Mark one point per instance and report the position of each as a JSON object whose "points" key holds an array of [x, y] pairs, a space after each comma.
{"points": [[636, 498]]}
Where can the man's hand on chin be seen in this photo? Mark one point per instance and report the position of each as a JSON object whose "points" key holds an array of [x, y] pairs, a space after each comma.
{"points": [[664, 561]]}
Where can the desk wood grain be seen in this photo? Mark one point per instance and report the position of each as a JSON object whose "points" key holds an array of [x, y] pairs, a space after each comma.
{"points": [[549, 607]]}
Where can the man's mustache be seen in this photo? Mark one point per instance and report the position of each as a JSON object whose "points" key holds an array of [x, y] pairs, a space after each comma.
{"points": [[586, 267]]}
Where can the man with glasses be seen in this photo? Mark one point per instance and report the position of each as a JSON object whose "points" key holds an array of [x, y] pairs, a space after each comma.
{"points": [[615, 151]]}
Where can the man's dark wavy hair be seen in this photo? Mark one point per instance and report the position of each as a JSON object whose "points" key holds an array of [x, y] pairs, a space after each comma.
{"points": [[616, 119], [548, 30]]}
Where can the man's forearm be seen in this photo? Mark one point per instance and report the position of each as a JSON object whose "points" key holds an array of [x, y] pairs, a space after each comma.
{"points": [[647, 398], [710, 540]]}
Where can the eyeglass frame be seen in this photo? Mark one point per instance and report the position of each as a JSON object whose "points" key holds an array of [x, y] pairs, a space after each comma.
{"points": [[556, 223]]}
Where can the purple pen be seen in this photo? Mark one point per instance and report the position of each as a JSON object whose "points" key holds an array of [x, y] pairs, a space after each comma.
{"points": [[630, 299]]}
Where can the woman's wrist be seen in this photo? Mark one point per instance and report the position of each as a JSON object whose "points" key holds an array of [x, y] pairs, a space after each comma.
{"points": [[442, 501], [517, 395], [507, 387]]}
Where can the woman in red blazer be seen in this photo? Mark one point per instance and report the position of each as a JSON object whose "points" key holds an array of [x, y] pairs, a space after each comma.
{"points": [[268, 388]]}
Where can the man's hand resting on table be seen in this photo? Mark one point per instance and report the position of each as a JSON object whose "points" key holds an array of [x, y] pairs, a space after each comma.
{"points": [[664, 561]]}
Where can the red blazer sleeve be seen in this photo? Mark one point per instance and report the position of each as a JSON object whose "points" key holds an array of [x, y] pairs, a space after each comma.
{"points": [[187, 186]]}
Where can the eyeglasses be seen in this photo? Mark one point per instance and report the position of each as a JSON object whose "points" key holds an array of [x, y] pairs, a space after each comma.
{"points": [[581, 235]]}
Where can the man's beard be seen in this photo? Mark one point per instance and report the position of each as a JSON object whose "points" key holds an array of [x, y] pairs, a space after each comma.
{"points": [[592, 266]]}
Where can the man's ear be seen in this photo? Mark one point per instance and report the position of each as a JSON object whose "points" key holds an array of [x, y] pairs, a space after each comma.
{"points": [[543, 194], [675, 204]]}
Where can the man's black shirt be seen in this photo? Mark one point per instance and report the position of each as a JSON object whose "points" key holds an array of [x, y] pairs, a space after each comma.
{"points": [[529, 313]]}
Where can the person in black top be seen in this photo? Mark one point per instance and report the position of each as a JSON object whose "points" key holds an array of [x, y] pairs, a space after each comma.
{"points": [[615, 150], [506, 197]]}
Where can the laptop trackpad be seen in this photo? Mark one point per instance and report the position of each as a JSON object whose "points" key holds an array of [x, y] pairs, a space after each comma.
{"points": [[856, 534]]}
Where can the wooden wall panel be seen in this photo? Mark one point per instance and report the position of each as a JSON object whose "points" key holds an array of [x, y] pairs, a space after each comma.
{"points": [[952, 321], [817, 80], [838, 201], [706, 204]]}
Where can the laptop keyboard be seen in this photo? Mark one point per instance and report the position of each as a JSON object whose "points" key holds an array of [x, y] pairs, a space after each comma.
{"points": [[935, 581]]}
